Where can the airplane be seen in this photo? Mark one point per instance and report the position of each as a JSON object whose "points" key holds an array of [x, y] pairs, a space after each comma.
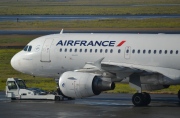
{"points": [[87, 64]]}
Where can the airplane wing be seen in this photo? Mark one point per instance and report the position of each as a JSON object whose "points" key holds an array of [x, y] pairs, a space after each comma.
{"points": [[125, 69], [142, 69]]}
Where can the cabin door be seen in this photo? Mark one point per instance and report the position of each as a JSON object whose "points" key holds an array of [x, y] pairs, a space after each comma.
{"points": [[45, 54], [127, 53]]}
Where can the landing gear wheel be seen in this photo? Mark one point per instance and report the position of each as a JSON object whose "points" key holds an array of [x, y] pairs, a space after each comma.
{"points": [[71, 98], [138, 99], [13, 98], [147, 98], [57, 98], [179, 94]]}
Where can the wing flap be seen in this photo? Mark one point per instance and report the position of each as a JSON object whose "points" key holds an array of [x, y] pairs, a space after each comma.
{"points": [[142, 69]]}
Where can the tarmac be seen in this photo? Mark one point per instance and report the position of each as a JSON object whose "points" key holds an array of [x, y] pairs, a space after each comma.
{"points": [[103, 106]]}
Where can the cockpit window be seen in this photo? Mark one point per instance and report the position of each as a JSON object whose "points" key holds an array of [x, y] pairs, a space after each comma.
{"points": [[29, 49], [25, 48]]}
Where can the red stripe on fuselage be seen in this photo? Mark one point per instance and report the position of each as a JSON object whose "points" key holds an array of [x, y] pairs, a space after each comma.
{"points": [[122, 42]]}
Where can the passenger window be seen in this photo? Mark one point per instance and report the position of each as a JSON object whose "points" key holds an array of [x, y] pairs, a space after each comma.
{"points": [[111, 51], [149, 51], [154, 51], [29, 49], [101, 50], [85, 50], [127, 51], [119, 51], [177, 51], [60, 50], [171, 52], [90, 50], [144, 51], [106, 50], [95, 50], [80, 50], [139, 51], [65, 50], [25, 48], [160, 51], [75, 50], [133, 51], [165, 51], [70, 50]]}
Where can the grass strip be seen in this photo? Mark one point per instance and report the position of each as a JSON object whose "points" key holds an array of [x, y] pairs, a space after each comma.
{"points": [[86, 2], [16, 40], [88, 10], [88, 7], [111, 23]]}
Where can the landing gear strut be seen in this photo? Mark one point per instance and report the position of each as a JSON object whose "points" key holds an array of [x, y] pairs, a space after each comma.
{"points": [[139, 98]]}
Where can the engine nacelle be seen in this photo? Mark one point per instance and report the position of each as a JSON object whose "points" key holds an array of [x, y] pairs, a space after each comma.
{"points": [[80, 85]]}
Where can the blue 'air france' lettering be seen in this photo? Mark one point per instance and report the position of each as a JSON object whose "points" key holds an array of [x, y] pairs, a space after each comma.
{"points": [[86, 43]]}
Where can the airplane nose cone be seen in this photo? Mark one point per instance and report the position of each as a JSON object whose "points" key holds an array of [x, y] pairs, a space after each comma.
{"points": [[14, 62], [22, 63]]}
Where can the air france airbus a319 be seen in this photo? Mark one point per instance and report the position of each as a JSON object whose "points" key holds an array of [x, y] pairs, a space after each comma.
{"points": [[87, 64]]}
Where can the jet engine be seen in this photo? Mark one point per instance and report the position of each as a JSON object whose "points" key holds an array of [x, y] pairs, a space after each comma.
{"points": [[80, 85]]}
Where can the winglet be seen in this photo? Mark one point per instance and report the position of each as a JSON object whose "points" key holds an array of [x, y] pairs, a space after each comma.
{"points": [[61, 31]]}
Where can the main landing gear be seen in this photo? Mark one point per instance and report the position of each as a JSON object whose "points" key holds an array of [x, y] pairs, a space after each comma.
{"points": [[140, 98]]}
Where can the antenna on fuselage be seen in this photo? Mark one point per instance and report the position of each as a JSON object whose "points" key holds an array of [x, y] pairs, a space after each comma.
{"points": [[61, 31]]}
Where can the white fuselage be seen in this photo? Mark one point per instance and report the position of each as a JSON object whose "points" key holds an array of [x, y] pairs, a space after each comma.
{"points": [[52, 55]]}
